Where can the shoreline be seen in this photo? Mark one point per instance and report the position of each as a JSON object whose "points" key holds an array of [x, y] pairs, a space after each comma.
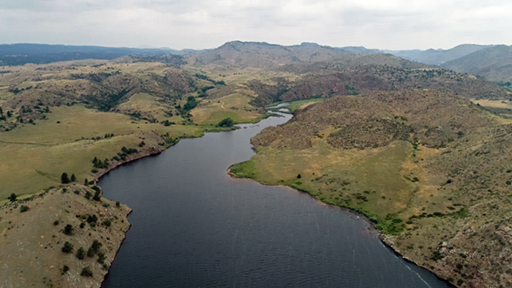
{"points": [[154, 151], [384, 239], [150, 151]]}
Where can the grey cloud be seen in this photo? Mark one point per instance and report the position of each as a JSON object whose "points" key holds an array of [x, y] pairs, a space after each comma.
{"points": [[391, 24]]}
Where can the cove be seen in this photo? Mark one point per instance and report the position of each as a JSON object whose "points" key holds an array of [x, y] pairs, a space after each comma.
{"points": [[195, 226]]}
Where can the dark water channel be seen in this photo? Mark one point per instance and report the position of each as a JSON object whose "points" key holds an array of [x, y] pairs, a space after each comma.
{"points": [[194, 226]]}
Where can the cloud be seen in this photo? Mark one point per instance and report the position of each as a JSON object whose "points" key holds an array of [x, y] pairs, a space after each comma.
{"points": [[391, 24]]}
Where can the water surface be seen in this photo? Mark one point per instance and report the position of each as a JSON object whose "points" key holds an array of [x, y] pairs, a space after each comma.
{"points": [[194, 226]]}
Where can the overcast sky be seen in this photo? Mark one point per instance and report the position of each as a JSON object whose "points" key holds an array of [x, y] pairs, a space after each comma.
{"points": [[383, 24]]}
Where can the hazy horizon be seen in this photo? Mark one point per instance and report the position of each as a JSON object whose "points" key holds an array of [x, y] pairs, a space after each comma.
{"points": [[150, 47], [201, 24]]}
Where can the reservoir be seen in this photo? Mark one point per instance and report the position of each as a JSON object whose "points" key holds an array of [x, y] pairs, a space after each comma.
{"points": [[195, 226]]}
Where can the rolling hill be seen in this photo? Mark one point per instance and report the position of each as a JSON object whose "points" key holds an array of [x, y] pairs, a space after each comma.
{"points": [[494, 63]]}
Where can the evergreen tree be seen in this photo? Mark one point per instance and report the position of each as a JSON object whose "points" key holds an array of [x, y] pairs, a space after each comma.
{"points": [[73, 178], [64, 178], [80, 253], [12, 198], [67, 248]]}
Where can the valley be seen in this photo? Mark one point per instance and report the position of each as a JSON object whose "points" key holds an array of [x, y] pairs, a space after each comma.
{"points": [[419, 150]]}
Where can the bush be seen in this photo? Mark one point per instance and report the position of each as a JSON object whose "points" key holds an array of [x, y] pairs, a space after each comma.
{"points": [[90, 252], [12, 198], [67, 248], [96, 245], [106, 223], [86, 272], [97, 196], [68, 230], [92, 218], [80, 253], [101, 258], [56, 222], [228, 122], [23, 208], [65, 269]]}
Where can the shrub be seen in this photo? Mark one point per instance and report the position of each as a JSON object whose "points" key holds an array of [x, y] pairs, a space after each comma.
{"points": [[56, 222], [97, 196], [86, 272], [96, 245], [68, 230], [118, 204], [228, 122], [73, 178], [101, 258], [12, 198], [106, 223], [299, 176], [82, 225], [67, 248], [90, 252], [65, 269], [24, 208], [80, 253], [92, 218]]}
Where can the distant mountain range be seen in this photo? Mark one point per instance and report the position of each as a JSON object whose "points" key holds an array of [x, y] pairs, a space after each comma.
{"points": [[20, 54], [494, 62]]}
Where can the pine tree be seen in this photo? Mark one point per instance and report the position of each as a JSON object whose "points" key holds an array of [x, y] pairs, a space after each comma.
{"points": [[64, 178]]}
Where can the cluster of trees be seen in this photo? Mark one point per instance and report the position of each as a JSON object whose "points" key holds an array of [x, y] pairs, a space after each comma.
{"points": [[100, 164], [204, 77], [168, 123], [228, 122], [64, 179], [191, 103], [202, 92], [4, 117], [94, 249]]}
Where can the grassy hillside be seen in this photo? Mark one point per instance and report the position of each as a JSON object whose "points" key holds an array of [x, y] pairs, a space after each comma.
{"points": [[83, 119], [424, 166]]}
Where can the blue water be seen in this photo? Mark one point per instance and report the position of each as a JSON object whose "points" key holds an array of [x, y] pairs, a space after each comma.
{"points": [[194, 226]]}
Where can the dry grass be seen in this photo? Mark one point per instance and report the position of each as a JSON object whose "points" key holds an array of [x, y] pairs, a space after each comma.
{"points": [[31, 241], [235, 106], [34, 156]]}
